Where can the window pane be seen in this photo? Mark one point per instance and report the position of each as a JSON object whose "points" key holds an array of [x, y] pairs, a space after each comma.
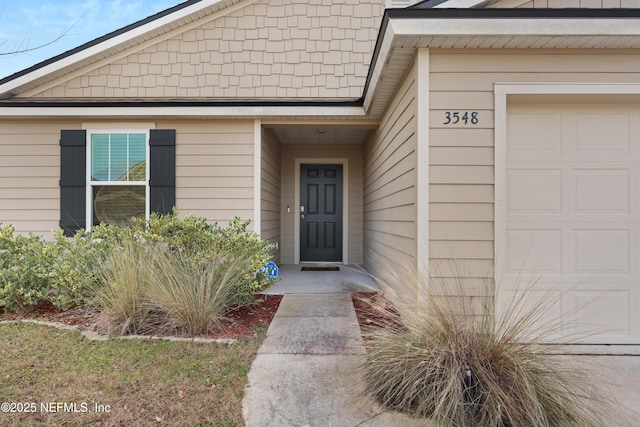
{"points": [[137, 157], [118, 204], [100, 157], [118, 157]]}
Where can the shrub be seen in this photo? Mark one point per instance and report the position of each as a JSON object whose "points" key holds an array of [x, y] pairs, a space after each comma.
{"points": [[25, 273], [33, 269], [448, 358]]}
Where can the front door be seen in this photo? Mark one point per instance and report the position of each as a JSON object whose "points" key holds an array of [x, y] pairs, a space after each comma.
{"points": [[321, 213]]}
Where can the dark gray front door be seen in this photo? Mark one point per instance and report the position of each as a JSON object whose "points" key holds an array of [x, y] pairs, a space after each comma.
{"points": [[321, 213]]}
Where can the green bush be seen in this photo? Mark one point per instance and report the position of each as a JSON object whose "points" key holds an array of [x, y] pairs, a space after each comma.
{"points": [[33, 269], [25, 273]]}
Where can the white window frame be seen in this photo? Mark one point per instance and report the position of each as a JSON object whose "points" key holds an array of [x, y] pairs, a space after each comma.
{"points": [[90, 183]]}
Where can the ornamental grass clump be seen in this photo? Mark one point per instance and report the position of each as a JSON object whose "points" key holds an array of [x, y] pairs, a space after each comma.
{"points": [[145, 288], [446, 356], [121, 291], [194, 296]]}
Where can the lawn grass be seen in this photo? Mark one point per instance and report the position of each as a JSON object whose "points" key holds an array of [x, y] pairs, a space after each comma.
{"points": [[140, 382]]}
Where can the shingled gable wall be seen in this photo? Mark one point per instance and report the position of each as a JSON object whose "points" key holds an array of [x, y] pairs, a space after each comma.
{"points": [[267, 49]]}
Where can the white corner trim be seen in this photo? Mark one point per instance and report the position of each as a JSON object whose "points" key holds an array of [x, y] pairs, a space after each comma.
{"points": [[257, 176], [422, 148], [124, 38], [345, 202]]}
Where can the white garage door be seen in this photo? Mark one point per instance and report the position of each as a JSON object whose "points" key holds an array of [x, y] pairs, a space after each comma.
{"points": [[573, 217]]}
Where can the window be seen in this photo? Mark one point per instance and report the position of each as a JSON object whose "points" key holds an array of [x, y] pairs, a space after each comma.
{"points": [[117, 176], [122, 167]]}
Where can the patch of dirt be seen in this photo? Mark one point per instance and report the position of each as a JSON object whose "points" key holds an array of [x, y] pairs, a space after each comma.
{"points": [[374, 311], [250, 320], [243, 322]]}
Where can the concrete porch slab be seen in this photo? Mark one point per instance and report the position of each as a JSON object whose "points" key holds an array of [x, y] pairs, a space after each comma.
{"points": [[348, 279]]}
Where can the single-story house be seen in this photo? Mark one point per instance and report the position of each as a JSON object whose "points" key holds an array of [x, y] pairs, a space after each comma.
{"points": [[504, 134]]}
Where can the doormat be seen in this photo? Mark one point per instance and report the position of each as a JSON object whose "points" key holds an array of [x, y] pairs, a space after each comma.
{"points": [[320, 269]]}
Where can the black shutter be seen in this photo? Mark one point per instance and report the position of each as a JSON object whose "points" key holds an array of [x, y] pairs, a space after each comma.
{"points": [[73, 170], [162, 170]]}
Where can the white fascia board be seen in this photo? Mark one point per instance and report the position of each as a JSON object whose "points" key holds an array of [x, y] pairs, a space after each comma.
{"points": [[566, 88], [105, 45], [459, 4], [182, 111], [515, 27], [378, 66]]}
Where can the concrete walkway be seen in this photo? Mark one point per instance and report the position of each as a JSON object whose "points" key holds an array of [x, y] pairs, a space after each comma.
{"points": [[306, 372]]}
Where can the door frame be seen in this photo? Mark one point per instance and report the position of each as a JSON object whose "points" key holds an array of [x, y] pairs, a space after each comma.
{"points": [[345, 202], [555, 90]]}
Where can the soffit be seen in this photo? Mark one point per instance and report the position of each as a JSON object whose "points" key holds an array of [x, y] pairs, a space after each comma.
{"points": [[322, 134]]}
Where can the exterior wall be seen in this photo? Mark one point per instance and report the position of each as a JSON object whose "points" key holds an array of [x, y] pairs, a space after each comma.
{"points": [[29, 174], [390, 212], [553, 4], [353, 152], [461, 156], [268, 49], [214, 168], [270, 190]]}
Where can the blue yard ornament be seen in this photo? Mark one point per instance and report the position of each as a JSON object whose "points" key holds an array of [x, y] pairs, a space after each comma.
{"points": [[270, 269]]}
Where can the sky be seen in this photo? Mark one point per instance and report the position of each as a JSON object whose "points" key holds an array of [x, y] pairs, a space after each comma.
{"points": [[26, 24]]}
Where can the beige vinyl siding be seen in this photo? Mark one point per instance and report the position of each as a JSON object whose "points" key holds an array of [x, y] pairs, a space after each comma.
{"points": [[270, 190], [390, 184], [352, 152], [461, 157], [214, 168], [30, 174], [556, 4]]}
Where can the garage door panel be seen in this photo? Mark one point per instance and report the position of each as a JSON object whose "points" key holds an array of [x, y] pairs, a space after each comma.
{"points": [[603, 316], [532, 251], [540, 308], [601, 252], [597, 191], [593, 132], [572, 206], [536, 131], [534, 191]]}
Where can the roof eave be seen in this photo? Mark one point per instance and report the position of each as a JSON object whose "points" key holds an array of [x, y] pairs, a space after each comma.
{"points": [[403, 31]]}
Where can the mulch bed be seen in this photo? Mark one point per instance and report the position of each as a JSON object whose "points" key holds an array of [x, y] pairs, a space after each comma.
{"points": [[374, 311], [242, 322]]}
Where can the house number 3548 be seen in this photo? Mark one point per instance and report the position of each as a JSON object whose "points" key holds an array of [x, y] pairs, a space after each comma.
{"points": [[463, 117]]}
